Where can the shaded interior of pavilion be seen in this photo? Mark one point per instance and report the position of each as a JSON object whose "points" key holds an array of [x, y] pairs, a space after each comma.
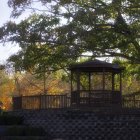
{"points": [[96, 83]]}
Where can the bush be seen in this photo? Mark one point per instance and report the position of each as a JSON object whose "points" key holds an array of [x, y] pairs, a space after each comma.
{"points": [[13, 120], [15, 131], [2, 120], [24, 131], [10, 120], [34, 131]]}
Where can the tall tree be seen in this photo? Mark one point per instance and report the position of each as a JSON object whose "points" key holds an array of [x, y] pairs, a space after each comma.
{"points": [[67, 28]]}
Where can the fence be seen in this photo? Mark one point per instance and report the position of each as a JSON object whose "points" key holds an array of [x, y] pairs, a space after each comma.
{"points": [[131, 100], [41, 102], [60, 101], [131, 104]]}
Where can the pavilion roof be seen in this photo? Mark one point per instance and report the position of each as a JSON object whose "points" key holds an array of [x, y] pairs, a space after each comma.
{"points": [[96, 65]]}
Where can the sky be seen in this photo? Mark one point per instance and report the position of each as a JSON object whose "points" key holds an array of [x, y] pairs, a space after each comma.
{"points": [[6, 49]]}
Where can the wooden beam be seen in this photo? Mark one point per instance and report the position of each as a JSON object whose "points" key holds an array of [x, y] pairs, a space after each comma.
{"points": [[103, 79], [121, 82], [113, 88], [71, 101], [78, 87], [78, 80], [89, 81], [71, 81]]}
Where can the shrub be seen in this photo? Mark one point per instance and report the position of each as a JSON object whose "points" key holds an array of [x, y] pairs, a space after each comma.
{"points": [[24, 131], [13, 120], [34, 131], [15, 131], [2, 121], [6, 119]]}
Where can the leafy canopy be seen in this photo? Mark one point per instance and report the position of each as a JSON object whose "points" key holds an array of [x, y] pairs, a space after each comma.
{"points": [[65, 29]]}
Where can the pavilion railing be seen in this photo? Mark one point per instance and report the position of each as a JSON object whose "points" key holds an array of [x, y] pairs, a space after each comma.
{"points": [[95, 98], [41, 102]]}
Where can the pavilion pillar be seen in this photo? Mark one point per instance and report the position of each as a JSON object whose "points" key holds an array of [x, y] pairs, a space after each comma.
{"points": [[71, 88], [113, 82], [71, 81], [89, 77], [120, 82], [120, 89], [78, 81], [78, 87], [89, 93], [103, 79], [113, 87]]}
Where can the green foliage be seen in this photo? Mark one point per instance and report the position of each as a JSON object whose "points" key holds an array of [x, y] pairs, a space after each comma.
{"points": [[131, 76], [131, 69], [10, 120], [39, 51], [24, 131], [13, 120], [15, 131], [70, 28], [34, 131]]}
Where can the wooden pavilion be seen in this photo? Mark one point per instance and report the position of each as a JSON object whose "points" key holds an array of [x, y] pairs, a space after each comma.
{"points": [[96, 83]]}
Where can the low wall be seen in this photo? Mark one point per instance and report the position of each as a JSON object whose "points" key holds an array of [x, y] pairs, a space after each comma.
{"points": [[84, 125]]}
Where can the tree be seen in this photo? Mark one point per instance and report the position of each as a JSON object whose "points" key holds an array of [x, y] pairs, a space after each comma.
{"points": [[131, 76], [28, 84], [6, 88], [104, 27]]}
